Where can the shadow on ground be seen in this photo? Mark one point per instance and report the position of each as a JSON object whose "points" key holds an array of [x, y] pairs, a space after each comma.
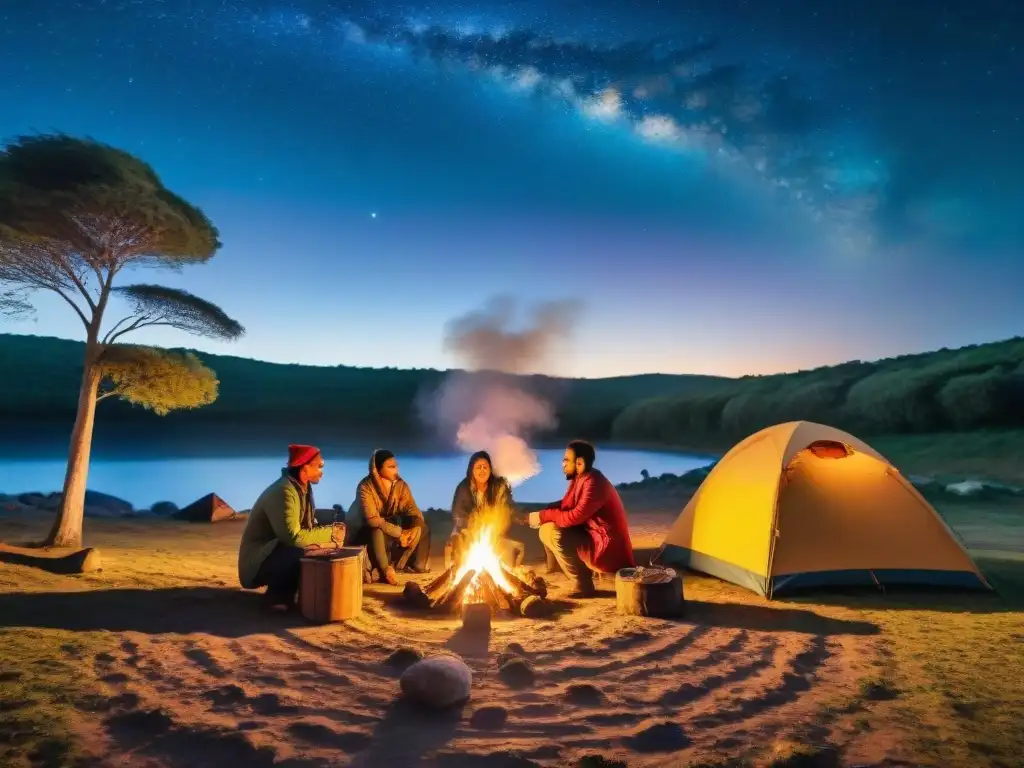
{"points": [[234, 613], [219, 611], [771, 619]]}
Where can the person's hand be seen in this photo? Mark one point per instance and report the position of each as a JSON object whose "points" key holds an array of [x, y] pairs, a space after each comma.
{"points": [[338, 533], [533, 519], [405, 539]]}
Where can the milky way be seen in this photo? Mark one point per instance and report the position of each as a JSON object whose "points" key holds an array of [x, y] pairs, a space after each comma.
{"points": [[754, 117]]}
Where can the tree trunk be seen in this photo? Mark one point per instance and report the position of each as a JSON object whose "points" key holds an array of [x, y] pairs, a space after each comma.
{"points": [[67, 528]]}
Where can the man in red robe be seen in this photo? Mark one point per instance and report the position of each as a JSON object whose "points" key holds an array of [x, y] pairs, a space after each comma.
{"points": [[587, 531]]}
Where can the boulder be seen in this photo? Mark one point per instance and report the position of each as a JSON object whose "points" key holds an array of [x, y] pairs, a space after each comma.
{"points": [[105, 512], [438, 681], [163, 508], [106, 501]]}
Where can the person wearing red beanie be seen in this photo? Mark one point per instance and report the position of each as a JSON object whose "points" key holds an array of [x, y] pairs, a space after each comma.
{"points": [[282, 525]]}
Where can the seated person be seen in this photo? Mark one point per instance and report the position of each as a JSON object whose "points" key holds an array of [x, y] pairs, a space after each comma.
{"points": [[281, 526], [482, 489], [384, 517], [587, 531]]}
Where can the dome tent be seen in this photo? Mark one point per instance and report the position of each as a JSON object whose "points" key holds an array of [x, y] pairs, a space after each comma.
{"points": [[806, 505]]}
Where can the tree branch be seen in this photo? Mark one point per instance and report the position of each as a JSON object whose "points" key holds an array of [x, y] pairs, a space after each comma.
{"points": [[79, 312], [105, 395], [160, 305], [141, 322], [109, 336], [81, 288]]}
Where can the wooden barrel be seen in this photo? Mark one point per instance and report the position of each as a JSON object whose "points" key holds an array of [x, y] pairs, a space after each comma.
{"points": [[331, 586], [649, 591]]}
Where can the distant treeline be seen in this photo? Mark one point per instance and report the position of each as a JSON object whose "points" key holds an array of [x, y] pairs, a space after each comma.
{"points": [[970, 388], [40, 377]]}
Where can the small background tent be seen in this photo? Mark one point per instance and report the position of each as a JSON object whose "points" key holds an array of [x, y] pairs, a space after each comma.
{"points": [[805, 505], [211, 508]]}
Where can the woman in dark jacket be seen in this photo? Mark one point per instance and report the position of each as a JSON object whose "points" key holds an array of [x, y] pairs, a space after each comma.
{"points": [[483, 489]]}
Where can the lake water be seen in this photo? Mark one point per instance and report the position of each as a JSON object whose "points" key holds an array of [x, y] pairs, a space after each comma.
{"points": [[239, 480]]}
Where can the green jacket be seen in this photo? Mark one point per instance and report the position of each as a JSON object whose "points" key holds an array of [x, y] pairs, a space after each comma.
{"points": [[282, 514]]}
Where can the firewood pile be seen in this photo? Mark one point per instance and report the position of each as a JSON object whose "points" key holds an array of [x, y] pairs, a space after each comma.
{"points": [[519, 592]]}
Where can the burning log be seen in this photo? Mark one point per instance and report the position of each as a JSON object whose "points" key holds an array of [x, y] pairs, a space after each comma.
{"points": [[440, 581], [521, 585], [453, 597], [534, 607], [488, 589]]}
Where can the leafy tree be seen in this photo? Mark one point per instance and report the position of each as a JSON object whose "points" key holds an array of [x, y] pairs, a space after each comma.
{"points": [[74, 215]]}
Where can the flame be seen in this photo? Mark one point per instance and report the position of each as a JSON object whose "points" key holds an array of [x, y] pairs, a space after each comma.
{"points": [[480, 552]]}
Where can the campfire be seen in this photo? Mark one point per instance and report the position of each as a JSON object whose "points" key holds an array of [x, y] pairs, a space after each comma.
{"points": [[477, 582]]}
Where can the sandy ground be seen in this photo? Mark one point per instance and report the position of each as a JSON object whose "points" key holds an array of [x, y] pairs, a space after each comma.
{"points": [[191, 671]]}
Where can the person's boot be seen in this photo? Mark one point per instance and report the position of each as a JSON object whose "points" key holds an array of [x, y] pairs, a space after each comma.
{"points": [[278, 601], [584, 588]]}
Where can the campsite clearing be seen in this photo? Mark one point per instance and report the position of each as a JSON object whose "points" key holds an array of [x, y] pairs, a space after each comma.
{"points": [[160, 656]]}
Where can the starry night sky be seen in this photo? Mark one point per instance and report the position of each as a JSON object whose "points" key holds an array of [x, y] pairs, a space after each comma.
{"points": [[728, 186]]}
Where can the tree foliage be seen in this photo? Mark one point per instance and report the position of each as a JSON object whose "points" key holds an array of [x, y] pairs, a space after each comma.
{"points": [[74, 214], [977, 386], [156, 379], [159, 305]]}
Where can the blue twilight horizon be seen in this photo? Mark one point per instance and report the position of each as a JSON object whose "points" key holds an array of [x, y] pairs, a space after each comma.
{"points": [[726, 187]]}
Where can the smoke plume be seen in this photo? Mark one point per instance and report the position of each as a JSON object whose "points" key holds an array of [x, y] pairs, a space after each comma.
{"points": [[488, 406]]}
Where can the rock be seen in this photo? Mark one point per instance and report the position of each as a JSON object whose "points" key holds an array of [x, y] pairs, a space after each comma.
{"points": [[584, 695], [51, 502], [600, 761], [163, 508], [663, 737], [403, 658], [106, 501], [982, 488], [438, 681], [104, 512], [489, 718], [13, 506], [517, 673]]}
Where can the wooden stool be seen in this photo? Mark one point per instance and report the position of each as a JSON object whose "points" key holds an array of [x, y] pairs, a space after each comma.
{"points": [[331, 585]]}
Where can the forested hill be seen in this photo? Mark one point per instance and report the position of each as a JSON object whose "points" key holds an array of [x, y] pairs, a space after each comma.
{"points": [[40, 380], [950, 390], [976, 387]]}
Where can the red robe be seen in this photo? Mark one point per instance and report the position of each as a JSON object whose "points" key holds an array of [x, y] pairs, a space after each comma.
{"points": [[593, 502]]}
